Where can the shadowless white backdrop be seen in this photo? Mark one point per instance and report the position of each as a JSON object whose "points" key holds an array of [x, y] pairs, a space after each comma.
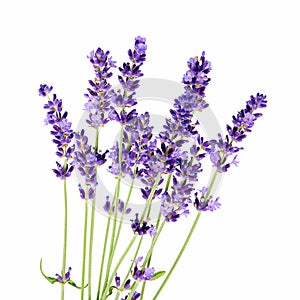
{"points": [[249, 249]]}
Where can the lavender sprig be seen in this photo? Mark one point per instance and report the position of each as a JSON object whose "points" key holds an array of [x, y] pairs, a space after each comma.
{"points": [[63, 135]]}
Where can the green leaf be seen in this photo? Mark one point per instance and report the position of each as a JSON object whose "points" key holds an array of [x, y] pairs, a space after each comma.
{"points": [[157, 275], [72, 283], [110, 291], [50, 279]]}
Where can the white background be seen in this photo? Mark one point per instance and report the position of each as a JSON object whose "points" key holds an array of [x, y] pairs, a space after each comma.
{"points": [[249, 249]]}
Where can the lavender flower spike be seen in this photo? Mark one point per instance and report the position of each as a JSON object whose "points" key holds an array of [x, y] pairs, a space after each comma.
{"points": [[100, 92], [61, 131], [196, 76], [223, 148], [130, 72]]}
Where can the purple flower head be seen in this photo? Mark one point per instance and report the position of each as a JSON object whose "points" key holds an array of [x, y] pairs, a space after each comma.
{"points": [[100, 92], [44, 90], [122, 208], [67, 276], [142, 228], [64, 171], [138, 54], [130, 73], [222, 149], [86, 161], [107, 205], [117, 280], [176, 203], [142, 274], [127, 284], [244, 120], [109, 208], [204, 203], [196, 76]]}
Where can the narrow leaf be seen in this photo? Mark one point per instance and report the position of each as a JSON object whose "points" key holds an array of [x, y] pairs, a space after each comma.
{"points": [[50, 279], [157, 275], [72, 283]]}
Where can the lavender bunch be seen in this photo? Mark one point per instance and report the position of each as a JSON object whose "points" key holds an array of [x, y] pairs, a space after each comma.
{"points": [[167, 165]]}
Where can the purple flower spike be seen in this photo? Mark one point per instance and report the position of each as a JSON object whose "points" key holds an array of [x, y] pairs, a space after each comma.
{"points": [[61, 131], [222, 149], [196, 76], [130, 73], [100, 92]]}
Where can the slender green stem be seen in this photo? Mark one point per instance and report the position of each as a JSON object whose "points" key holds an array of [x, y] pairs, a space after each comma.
{"points": [[92, 225], [149, 200], [122, 215], [65, 240], [179, 255], [154, 240], [84, 246], [97, 140], [133, 260], [115, 204], [112, 237], [103, 296], [211, 185], [156, 226], [103, 256]]}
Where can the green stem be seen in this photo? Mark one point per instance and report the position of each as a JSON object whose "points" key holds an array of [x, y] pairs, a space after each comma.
{"points": [[149, 200], [115, 204], [154, 240], [133, 260], [65, 240], [84, 246], [92, 225], [112, 237], [179, 255], [122, 215], [103, 296], [103, 256], [157, 224]]}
